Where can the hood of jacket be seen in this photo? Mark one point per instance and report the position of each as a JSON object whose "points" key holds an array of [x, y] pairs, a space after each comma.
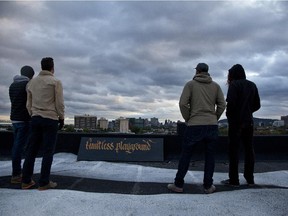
{"points": [[203, 77], [237, 72], [20, 78]]}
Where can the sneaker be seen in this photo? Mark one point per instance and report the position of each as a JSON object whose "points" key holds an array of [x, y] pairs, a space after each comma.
{"points": [[210, 190], [27, 185], [250, 183], [174, 188], [50, 185], [16, 179], [228, 183]]}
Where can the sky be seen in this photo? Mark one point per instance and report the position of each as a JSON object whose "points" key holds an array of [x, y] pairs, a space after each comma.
{"points": [[269, 199], [131, 59]]}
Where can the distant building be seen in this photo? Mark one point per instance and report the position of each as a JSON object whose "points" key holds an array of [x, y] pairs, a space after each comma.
{"points": [[155, 122], [112, 125], [285, 119], [139, 123], [278, 123], [123, 125], [85, 122], [103, 123]]}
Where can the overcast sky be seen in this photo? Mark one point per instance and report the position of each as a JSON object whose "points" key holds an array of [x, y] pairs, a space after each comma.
{"points": [[132, 58]]}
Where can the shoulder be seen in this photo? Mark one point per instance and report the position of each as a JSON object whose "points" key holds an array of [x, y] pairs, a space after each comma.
{"points": [[252, 84], [215, 83]]}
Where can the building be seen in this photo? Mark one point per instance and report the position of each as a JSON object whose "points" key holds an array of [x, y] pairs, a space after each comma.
{"points": [[139, 123], [122, 125], [85, 122], [285, 119], [278, 123], [103, 123], [155, 122]]}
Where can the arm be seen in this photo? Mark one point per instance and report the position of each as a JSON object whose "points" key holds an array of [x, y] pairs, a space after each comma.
{"points": [[59, 100], [184, 103], [29, 100], [220, 102], [231, 102], [256, 105]]}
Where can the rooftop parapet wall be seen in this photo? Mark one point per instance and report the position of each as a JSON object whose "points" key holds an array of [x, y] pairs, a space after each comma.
{"points": [[266, 147]]}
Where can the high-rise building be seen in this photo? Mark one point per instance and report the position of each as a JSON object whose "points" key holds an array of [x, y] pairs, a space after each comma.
{"points": [[285, 119], [139, 123], [103, 123], [85, 122], [122, 125]]}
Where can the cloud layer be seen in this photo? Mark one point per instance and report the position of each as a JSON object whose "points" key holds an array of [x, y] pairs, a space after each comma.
{"points": [[132, 58]]}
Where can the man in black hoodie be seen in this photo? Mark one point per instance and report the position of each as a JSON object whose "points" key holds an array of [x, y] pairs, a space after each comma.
{"points": [[242, 101], [20, 119]]}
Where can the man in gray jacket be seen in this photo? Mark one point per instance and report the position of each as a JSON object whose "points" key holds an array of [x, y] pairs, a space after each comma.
{"points": [[201, 105]]}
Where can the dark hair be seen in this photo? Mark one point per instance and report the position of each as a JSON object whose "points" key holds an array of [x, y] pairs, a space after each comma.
{"points": [[47, 63], [236, 72]]}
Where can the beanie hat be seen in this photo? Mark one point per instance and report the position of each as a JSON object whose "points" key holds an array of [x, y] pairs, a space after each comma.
{"points": [[202, 67], [27, 71]]}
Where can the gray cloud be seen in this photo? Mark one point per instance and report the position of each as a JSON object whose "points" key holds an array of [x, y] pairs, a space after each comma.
{"points": [[132, 59]]}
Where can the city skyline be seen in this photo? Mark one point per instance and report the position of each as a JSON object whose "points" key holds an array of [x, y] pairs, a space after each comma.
{"points": [[112, 67]]}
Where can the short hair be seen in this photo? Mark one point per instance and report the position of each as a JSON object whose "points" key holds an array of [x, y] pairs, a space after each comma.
{"points": [[47, 63]]}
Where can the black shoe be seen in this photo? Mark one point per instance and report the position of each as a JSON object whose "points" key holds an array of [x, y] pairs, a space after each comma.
{"points": [[229, 183]]}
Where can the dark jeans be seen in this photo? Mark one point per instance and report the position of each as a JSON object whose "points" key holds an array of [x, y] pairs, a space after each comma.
{"points": [[193, 135], [43, 133], [237, 136], [21, 134]]}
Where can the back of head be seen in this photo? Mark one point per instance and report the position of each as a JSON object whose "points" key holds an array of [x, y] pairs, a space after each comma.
{"points": [[47, 63], [27, 71], [202, 67], [236, 72]]}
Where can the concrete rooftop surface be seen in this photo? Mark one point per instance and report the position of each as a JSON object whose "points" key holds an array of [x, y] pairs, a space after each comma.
{"points": [[140, 188]]}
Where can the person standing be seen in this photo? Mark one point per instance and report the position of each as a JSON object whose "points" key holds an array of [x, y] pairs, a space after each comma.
{"points": [[20, 119], [201, 104], [242, 101], [45, 103]]}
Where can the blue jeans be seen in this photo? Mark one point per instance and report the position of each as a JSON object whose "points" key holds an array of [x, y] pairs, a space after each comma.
{"points": [[43, 134], [193, 135], [21, 134]]}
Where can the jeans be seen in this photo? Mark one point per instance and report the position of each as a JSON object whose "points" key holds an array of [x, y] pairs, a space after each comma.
{"points": [[193, 135], [43, 134], [21, 134], [241, 135]]}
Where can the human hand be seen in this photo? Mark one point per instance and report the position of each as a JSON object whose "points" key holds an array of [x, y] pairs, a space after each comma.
{"points": [[61, 124]]}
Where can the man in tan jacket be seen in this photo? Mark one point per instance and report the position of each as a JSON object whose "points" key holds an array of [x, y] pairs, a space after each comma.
{"points": [[201, 105], [45, 104]]}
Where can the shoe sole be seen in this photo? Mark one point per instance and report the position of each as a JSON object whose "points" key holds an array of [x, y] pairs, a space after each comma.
{"points": [[28, 186], [16, 182], [230, 185], [210, 190], [47, 187], [172, 188]]}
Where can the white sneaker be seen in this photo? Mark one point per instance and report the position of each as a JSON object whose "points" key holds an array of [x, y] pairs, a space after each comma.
{"points": [[210, 190], [50, 185]]}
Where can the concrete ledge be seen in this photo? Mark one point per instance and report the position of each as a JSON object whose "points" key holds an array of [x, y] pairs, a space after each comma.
{"points": [[266, 147]]}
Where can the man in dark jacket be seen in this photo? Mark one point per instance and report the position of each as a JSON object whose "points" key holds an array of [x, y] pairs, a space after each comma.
{"points": [[20, 119], [242, 101]]}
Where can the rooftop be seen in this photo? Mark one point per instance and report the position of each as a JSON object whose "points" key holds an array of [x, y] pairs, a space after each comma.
{"points": [[132, 188]]}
